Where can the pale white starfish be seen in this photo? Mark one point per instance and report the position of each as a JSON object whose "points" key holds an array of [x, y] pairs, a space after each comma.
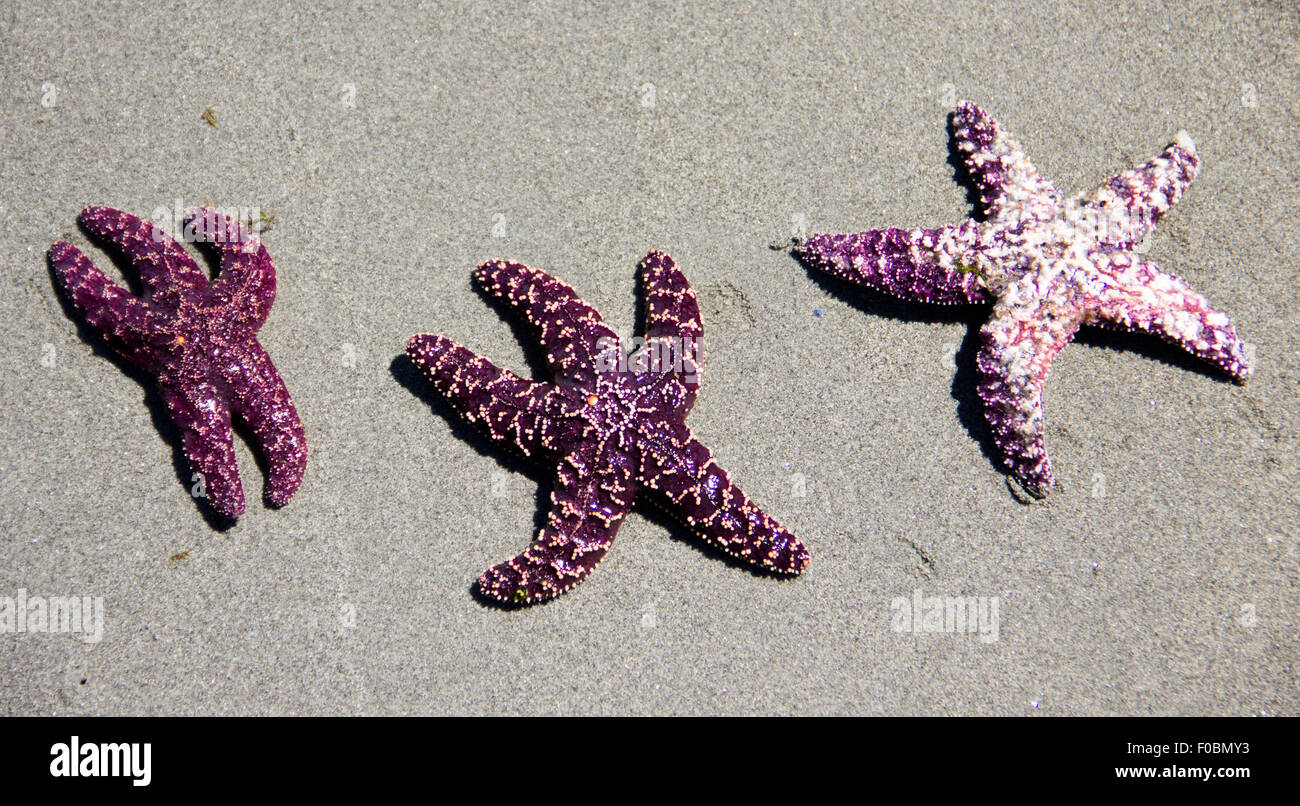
{"points": [[1048, 265]]}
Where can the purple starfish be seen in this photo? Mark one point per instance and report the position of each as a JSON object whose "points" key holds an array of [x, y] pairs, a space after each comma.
{"points": [[197, 338], [1048, 265], [611, 425]]}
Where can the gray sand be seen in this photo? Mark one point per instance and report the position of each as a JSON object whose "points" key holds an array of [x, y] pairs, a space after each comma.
{"points": [[396, 150]]}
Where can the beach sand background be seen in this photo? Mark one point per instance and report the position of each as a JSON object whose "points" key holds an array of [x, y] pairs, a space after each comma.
{"points": [[396, 149]]}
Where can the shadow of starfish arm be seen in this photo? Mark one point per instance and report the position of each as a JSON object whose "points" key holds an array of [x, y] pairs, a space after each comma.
{"points": [[921, 265], [574, 334], [1153, 301], [259, 396], [588, 504], [246, 283], [204, 420], [166, 270], [1009, 184], [514, 411], [129, 324], [1016, 353], [683, 471]]}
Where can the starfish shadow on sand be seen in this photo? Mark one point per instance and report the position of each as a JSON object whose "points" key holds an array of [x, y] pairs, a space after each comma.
{"points": [[965, 379], [412, 379]]}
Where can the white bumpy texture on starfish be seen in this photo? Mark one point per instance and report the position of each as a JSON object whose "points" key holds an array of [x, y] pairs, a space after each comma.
{"points": [[1048, 265]]}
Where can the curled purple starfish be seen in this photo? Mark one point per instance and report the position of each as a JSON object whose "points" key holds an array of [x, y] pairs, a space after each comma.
{"points": [[611, 425], [197, 338], [1049, 266]]}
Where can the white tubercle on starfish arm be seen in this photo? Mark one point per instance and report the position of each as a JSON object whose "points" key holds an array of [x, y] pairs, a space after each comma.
{"points": [[1017, 362], [1183, 325], [1013, 295], [1163, 282]]}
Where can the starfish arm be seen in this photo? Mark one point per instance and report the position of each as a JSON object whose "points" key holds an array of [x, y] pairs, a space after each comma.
{"points": [[578, 343], [246, 284], [1147, 299], [258, 395], [680, 469], [129, 324], [588, 504], [673, 330], [1133, 201], [1009, 184], [203, 417], [524, 414], [1019, 343], [166, 270], [921, 265]]}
